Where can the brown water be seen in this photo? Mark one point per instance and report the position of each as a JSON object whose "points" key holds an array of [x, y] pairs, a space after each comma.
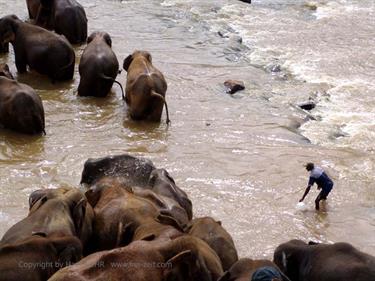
{"points": [[238, 157]]}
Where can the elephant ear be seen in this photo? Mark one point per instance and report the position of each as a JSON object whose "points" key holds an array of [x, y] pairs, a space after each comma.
{"points": [[148, 56], [108, 39], [90, 38], [35, 204], [127, 62], [78, 215], [165, 217], [186, 265]]}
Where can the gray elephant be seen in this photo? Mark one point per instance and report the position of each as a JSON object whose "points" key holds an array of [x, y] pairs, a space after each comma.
{"points": [[322, 262], [66, 17], [40, 49], [98, 67], [21, 109]]}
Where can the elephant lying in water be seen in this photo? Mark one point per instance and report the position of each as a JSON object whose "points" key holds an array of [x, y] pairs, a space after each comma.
{"points": [[217, 237], [40, 49], [244, 269], [145, 88], [21, 109], [66, 17], [131, 170], [62, 212], [323, 262], [98, 66], [185, 258], [37, 257]]}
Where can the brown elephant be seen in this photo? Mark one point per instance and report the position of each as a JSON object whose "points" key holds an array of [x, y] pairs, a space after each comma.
{"points": [[162, 183], [145, 88], [33, 8], [184, 259], [323, 262], [62, 212], [37, 257], [118, 214], [217, 237], [244, 269], [5, 71], [131, 170], [165, 204], [4, 48], [66, 17], [21, 109], [40, 49], [98, 66]]}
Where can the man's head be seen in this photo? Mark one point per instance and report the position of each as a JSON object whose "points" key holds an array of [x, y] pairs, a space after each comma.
{"points": [[309, 166]]}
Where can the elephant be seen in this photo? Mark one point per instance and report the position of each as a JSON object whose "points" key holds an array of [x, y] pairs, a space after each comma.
{"points": [[37, 257], [165, 204], [162, 183], [40, 49], [21, 109], [5, 71], [33, 8], [4, 48], [185, 258], [145, 88], [62, 212], [118, 214], [66, 17], [217, 237], [244, 269], [323, 262], [133, 171], [98, 66]]}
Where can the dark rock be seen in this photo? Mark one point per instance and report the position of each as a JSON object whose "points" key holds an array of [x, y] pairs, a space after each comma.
{"points": [[234, 86], [276, 68], [307, 105], [246, 1]]}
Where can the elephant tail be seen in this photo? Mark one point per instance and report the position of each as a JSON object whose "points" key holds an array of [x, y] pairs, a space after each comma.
{"points": [[115, 81], [159, 96]]}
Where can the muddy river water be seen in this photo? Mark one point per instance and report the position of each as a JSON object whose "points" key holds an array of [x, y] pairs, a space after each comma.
{"points": [[240, 158]]}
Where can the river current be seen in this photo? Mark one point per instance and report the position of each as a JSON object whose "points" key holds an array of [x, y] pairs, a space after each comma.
{"points": [[239, 157]]}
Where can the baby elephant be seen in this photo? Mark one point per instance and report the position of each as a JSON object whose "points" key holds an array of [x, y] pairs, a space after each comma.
{"points": [[98, 66], [21, 109], [145, 88]]}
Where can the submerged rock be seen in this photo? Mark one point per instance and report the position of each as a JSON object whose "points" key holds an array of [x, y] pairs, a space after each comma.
{"points": [[234, 86], [246, 1], [307, 105]]}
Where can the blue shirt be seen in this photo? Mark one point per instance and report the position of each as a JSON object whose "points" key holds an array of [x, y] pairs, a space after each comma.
{"points": [[318, 176]]}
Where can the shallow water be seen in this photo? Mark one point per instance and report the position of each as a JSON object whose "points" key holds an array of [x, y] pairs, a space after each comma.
{"points": [[240, 158]]}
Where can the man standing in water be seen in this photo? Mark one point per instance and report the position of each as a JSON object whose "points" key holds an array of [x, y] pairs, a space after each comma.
{"points": [[318, 176]]}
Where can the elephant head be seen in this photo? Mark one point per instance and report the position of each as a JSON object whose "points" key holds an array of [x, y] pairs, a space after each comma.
{"points": [[8, 29], [100, 36], [5, 71]]}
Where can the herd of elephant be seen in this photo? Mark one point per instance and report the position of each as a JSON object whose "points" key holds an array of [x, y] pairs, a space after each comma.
{"points": [[51, 53], [130, 221]]}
